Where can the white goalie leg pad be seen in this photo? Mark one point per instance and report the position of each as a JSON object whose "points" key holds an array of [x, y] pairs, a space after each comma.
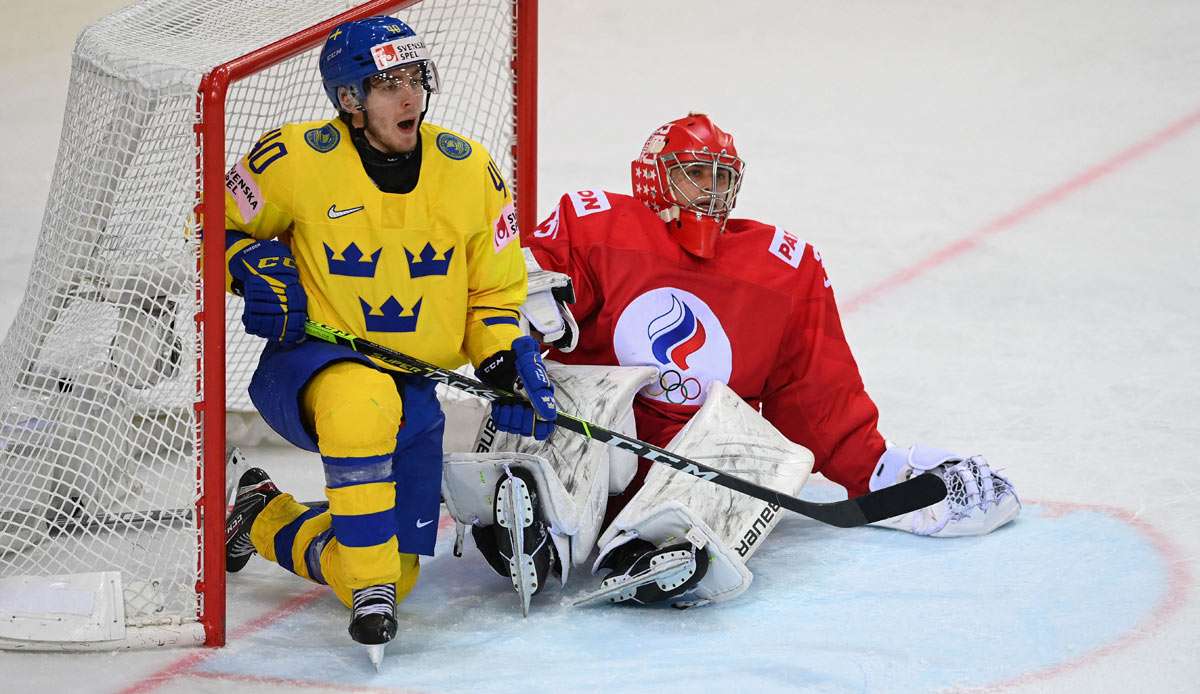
{"points": [[731, 436], [978, 499], [469, 484], [602, 395], [465, 415]]}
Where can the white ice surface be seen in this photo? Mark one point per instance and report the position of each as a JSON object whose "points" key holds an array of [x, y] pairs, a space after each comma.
{"points": [[1061, 345]]}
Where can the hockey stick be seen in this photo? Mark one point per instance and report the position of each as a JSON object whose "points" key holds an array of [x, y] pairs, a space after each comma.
{"points": [[910, 495]]}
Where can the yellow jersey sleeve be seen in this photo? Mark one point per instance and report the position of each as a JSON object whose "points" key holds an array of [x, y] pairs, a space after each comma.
{"points": [[258, 195], [496, 273]]}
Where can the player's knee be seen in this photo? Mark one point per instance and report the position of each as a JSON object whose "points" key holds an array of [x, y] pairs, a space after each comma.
{"points": [[355, 410]]}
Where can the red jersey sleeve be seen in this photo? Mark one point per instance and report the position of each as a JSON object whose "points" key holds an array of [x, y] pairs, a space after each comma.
{"points": [[815, 395], [558, 246]]}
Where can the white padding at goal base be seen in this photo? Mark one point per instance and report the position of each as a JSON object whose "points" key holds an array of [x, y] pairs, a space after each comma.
{"points": [[75, 607], [79, 612]]}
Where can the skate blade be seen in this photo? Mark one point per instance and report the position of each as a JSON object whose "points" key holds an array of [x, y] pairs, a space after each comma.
{"points": [[518, 517], [606, 593], [375, 653]]}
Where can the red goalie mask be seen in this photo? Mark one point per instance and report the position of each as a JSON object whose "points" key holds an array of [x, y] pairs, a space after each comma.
{"points": [[689, 173]]}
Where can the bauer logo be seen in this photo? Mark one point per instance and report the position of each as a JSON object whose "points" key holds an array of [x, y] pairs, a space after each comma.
{"points": [[676, 332], [589, 202], [453, 146], [787, 247]]}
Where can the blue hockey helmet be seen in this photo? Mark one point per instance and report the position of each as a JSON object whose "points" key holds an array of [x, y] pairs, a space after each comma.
{"points": [[358, 50]]}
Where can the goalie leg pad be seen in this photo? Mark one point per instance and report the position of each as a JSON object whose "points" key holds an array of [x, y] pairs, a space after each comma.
{"points": [[586, 468]]}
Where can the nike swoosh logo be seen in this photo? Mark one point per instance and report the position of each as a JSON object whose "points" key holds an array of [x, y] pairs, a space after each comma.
{"points": [[421, 524], [334, 212]]}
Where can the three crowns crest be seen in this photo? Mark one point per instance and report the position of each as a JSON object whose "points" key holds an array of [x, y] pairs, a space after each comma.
{"points": [[389, 318], [425, 265], [352, 262]]}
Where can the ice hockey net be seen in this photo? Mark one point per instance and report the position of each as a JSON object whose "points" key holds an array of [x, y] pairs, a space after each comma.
{"points": [[117, 373]]}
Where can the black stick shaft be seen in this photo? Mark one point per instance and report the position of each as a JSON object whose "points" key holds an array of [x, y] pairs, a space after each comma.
{"points": [[915, 493]]}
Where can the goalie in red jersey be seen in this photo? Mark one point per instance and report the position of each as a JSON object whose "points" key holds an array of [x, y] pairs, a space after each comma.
{"points": [[734, 355]]}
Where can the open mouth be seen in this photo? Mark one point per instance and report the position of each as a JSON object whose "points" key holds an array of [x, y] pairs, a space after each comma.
{"points": [[407, 125]]}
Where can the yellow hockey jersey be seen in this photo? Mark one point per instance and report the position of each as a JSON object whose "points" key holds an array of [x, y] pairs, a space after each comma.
{"points": [[436, 273]]}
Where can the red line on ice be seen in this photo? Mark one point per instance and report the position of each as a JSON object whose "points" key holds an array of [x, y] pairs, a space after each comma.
{"points": [[183, 666], [1014, 217], [1179, 581], [186, 663]]}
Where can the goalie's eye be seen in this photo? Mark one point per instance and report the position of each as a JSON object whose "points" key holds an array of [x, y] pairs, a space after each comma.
{"points": [[702, 176]]}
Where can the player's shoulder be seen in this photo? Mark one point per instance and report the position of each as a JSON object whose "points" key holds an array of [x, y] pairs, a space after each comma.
{"points": [[770, 249], [315, 136], [442, 145], [598, 204]]}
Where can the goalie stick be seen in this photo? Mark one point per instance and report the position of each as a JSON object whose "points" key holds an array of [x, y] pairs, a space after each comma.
{"points": [[915, 493]]}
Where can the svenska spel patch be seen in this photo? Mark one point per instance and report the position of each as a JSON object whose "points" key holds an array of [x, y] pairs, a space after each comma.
{"points": [[245, 191], [505, 228], [399, 52]]}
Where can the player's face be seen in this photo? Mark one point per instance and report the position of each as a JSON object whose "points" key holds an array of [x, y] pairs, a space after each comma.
{"points": [[697, 184], [394, 103]]}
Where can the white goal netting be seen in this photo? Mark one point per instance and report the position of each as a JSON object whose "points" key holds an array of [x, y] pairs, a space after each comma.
{"points": [[98, 373]]}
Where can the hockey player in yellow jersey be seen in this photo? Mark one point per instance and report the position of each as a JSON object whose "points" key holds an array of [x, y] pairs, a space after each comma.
{"points": [[401, 231]]}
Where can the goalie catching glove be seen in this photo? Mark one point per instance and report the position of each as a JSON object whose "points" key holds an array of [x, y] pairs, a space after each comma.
{"points": [[264, 274], [978, 500], [535, 416]]}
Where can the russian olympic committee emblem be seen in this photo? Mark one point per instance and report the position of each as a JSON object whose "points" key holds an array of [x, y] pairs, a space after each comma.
{"points": [[675, 331]]}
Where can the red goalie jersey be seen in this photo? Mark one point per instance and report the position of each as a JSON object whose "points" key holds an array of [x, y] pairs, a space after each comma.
{"points": [[759, 316]]}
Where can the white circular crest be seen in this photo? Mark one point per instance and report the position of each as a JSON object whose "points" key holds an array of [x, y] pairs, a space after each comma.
{"points": [[676, 332]]}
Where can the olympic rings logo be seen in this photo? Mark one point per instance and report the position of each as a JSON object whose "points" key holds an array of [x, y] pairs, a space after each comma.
{"points": [[674, 388]]}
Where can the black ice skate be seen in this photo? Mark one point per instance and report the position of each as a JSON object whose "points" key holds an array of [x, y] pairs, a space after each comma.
{"points": [[254, 491], [373, 622], [523, 549], [643, 574]]}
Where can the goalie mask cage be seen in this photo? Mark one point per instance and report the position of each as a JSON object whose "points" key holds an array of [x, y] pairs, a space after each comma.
{"points": [[124, 357]]}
